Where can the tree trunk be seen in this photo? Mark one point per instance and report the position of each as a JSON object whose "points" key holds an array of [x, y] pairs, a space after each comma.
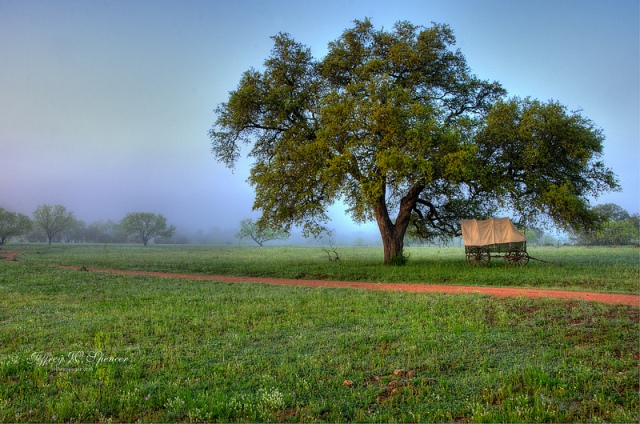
{"points": [[393, 244], [393, 233]]}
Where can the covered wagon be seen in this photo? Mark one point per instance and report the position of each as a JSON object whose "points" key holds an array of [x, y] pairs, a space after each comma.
{"points": [[493, 237]]}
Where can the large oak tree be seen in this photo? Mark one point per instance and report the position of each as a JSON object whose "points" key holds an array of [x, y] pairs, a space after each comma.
{"points": [[394, 124]]}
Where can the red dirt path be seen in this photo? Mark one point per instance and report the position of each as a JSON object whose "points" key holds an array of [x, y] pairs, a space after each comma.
{"points": [[610, 298], [9, 256]]}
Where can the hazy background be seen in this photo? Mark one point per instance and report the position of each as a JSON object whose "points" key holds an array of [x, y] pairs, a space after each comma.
{"points": [[105, 105]]}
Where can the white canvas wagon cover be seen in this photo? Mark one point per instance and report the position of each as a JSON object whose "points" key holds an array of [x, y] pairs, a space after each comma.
{"points": [[492, 231]]}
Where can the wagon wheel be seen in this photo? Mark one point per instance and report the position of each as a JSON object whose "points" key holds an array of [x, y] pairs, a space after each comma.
{"points": [[516, 257], [478, 257]]}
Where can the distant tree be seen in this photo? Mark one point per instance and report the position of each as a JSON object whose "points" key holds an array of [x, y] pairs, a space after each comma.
{"points": [[548, 240], [532, 236], [618, 227], [105, 232], [617, 233], [612, 212], [13, 224], [538, 237], [96, 232], [359, 241], [252, 230], [176, 238], [395, 124], [77, 234], [146, 226], [36, 235], [215, 235], [54, 220]]}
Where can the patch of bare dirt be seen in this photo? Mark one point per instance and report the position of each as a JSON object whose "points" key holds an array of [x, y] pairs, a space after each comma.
{"points": [[9, 255]]}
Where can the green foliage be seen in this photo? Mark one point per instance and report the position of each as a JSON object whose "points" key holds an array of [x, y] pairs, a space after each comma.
{"points": [[13, 224], [616, 233], [250, 229], [612, 212], [618, 227], [395, 124], [54, 220], [146, 226], [91, 347], [545, 161]]}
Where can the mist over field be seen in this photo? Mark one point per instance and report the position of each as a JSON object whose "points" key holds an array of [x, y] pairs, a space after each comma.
{"points": [[105, 106]]}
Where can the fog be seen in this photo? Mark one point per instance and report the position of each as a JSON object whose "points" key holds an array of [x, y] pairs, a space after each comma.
{"points": [[105, 106]]}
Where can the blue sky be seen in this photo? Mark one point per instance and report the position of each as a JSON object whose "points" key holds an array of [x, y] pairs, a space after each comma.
{"points": [[105, 105]]}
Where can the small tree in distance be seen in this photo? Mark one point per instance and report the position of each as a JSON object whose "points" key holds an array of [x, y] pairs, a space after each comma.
{"points": [[146, 226], [13, 225], [250, 229], [54, 220]]}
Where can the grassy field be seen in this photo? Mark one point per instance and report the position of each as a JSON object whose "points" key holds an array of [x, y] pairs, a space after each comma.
{"points": [[88, 347], [614, 270]]}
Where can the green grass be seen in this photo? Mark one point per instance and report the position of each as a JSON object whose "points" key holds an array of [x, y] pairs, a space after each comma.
{"points": [[88, 347], [614, 270]]}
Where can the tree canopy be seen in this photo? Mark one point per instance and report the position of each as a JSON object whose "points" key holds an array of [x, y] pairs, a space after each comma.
{"points": [[395, 125], [612, 212]]}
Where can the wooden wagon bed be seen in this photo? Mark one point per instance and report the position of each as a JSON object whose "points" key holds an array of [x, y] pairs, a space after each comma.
{"points": [[493, 237]]}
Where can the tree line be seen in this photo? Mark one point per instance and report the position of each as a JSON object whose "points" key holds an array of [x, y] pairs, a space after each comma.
{"points": [[619, 228], [55, 223]]}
